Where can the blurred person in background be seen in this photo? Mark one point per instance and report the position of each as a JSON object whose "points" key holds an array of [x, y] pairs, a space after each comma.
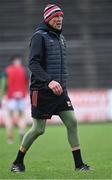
{"points": [[47, 63], [0, 86], [14, 84]]}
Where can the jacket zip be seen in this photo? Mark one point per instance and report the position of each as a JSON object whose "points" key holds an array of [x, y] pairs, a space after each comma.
{"points": [[61, 60], [61, 54]]}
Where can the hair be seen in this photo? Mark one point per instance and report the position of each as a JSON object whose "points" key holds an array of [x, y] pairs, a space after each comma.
{"points": [[16, 56]]}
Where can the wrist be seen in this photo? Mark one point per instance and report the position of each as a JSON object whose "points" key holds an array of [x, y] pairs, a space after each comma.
{"points": [[49, 82]]}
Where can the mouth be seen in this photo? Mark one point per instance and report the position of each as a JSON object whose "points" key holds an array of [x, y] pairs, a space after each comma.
{"points": [[59, 24]]}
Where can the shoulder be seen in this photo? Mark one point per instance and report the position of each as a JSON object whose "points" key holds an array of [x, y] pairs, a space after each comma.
{"points": [[38, 36], [39, 33], [62, 37], [8, 68]]}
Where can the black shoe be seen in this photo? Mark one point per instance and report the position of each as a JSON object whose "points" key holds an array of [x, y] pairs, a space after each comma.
{"points": [[18, 168], [84, 167]]}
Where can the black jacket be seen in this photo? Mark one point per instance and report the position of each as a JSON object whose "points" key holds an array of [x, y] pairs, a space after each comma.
{"points": [[47, 57]]}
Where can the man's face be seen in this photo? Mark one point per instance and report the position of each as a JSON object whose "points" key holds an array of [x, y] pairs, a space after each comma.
{"points": [[56, 22]]}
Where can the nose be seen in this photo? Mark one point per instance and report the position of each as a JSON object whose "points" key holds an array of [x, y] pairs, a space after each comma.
{"points": [[60, 17]]}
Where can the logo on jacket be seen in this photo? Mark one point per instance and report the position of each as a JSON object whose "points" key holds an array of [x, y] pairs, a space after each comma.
{"points": [[62, 41], [69, 103], [51, 40]]}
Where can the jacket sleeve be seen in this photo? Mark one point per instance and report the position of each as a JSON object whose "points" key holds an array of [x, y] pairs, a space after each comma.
{"points": [[35, 59]]}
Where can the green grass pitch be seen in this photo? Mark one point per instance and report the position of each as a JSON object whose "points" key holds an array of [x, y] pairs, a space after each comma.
{"points": [[50, 156]]}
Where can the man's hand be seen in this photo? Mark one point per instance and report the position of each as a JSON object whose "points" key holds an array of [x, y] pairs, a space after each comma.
{"points": [[55, 87]]}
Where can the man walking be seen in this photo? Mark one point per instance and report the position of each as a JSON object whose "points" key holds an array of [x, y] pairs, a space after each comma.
{"points": [[47, 63]]}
